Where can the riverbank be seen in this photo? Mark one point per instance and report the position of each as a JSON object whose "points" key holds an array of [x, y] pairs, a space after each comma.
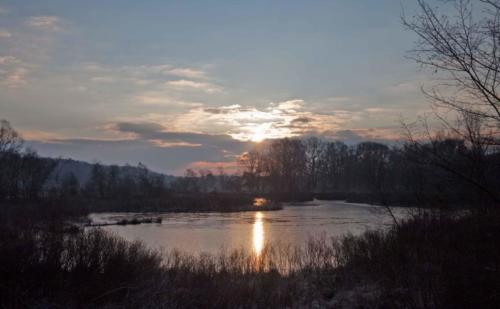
{"points": [[133, 218], [411, 199], [193, 202]]}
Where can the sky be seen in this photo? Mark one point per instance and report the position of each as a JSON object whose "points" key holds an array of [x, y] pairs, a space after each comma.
{"points": [[193, 84]]}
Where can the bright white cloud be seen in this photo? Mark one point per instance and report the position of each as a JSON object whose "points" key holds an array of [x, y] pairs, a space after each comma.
{"points": [[188, 73], [290, 105], [278, 120]]}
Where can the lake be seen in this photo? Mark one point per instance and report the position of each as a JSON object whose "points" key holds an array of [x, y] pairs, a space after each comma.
{"points": [[211, 232]]}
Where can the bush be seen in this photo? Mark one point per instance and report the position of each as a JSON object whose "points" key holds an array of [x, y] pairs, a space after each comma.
{"points": [[71, 270], [428, 261]]}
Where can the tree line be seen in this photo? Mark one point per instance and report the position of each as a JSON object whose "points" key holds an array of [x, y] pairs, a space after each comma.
{"points": [[25, 176], [441, 170]]}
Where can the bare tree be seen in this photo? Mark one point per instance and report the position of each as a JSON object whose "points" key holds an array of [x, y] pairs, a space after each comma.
{"points": [[463, 49], [252, 163], [10, 140], [10, 162], [314, 149], [35, 172]]}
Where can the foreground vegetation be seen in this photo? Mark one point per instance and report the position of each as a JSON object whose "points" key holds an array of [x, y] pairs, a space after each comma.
{"points": [[427, 261]]}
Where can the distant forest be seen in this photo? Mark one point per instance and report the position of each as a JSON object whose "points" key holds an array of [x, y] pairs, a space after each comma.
{"points": [[439, 173]]}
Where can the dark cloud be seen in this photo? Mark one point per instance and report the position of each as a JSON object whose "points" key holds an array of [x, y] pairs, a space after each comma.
{"points": [[226, 109], [138, 128], [297, 125], [301, 120], [171, 152], [359, 136], [148, 146], [156, 132], [161, 159]]}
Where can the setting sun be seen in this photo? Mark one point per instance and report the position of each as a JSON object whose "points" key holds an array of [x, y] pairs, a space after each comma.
{"points": [[259, 133]]}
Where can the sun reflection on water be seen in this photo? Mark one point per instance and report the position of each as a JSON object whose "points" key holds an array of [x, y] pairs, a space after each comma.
{"points": [[258, 233], [259, 201]]}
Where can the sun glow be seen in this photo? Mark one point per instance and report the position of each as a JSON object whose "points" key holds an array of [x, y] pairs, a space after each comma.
{"points": [[258, 233], [259, 133]]}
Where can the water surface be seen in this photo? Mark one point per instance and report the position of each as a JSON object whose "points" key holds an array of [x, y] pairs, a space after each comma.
{"points": [[211, 232]]}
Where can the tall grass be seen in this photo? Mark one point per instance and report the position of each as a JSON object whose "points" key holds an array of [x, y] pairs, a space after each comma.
{"points": [[95, 268]]}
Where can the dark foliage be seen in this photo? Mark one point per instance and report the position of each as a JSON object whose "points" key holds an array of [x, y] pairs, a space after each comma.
{"points": [[428, 261], [441, 173]]}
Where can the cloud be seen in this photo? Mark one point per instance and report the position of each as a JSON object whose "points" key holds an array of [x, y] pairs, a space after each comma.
{"points": [[13, 72], [5, 34], [184, 84], [51, 23], [14, 78], [188, 73], [141, 72], [149, 142], [172, 160], [41, 136], [5, 60], [138, 128], [32, 48], [290, 105], [103, 79], [404, 88], [338, 99], [301, 120], [228, 167], [383, 135], [162, 98], [149, 84], [246, 123], [164, 144], [227, 109], [159, 135]]}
